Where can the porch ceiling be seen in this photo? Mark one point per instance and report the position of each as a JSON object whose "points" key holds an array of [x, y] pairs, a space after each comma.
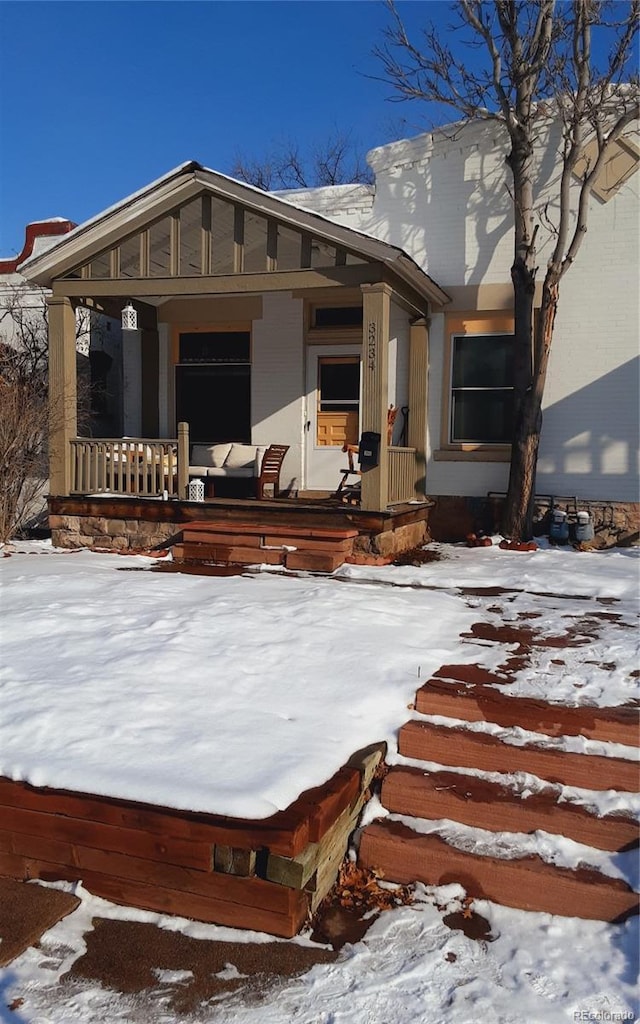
{"points": [[196, 231]]}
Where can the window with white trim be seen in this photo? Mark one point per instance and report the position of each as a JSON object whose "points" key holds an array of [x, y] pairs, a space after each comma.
{"points": [[481, 409]]}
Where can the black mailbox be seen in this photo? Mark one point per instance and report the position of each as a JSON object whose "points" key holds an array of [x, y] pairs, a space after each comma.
{"points": [[369, 449]]}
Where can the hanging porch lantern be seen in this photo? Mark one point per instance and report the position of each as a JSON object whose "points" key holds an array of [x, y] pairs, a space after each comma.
{"points": [[129, 317]]}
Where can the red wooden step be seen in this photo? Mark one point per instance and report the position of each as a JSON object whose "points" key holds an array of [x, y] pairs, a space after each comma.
{"points": [[313, 561], [233, 526], [498, 807], [478, 703], [463, 748], [526, 883], [223, 553], [331, 545], [471, 674], [227, 537]]}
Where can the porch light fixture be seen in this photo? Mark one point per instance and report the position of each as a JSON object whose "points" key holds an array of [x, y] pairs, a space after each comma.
{"points": [[129, 317]]}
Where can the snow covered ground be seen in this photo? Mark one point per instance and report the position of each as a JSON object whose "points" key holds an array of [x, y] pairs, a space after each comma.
{"points": [[410, 968], [234, 694]]}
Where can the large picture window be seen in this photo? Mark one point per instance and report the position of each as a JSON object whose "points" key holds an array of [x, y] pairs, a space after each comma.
{"points": [[213, 385], [481, 410]]}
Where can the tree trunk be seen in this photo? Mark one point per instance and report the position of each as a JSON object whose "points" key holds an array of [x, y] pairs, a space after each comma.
{"points": [[518, 513]]}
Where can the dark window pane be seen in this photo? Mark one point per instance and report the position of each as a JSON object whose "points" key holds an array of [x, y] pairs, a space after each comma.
{"points": [[338, 316], [483, 361], [215, 347], [482, 416], [339, 381], [215, 401]]}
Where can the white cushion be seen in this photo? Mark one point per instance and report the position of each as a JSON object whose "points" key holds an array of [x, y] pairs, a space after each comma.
{"points": [[241, 456], [235, 473], [260, 450], [210, 454]]}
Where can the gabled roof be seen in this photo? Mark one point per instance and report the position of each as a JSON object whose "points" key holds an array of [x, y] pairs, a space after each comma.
{"points": [[187, 181]]}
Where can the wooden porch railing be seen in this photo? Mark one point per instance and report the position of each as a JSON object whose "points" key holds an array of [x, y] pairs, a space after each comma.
{"points": [[404, 473], [132, 465]]}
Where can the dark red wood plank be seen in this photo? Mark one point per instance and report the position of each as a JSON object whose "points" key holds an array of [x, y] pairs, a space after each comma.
{"points": [[526, 883], [499, 808], [478, 703], [463, 748]]}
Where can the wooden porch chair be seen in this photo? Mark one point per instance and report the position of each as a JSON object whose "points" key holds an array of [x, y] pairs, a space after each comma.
{"points": [[270, 469], [350, 492]]}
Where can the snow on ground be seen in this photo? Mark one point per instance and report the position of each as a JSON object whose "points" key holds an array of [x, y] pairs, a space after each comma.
{"points": [[235, 694], [230, 695], [409, 969]]}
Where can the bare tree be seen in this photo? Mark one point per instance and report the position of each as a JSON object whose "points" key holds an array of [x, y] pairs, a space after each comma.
{"points": [[334, 162], [23, 405], [25, 411], [532, 61]]}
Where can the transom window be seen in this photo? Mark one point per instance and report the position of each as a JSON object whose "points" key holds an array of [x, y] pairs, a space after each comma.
{"points": [[482, 389], [337, 316]]}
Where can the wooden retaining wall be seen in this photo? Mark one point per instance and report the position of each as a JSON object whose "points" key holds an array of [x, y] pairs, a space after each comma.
{"points": [[265, 875]]}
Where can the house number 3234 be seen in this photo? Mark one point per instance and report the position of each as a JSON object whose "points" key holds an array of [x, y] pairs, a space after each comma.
{"points": [[371, 348]]}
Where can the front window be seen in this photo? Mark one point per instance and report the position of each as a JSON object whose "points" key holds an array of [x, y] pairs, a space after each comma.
{"points": [[338, 400], [482, 389], [213, 385]]}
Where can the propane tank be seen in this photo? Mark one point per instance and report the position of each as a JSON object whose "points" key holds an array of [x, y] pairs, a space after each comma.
{"points": [[584, 527], [559, 529]]}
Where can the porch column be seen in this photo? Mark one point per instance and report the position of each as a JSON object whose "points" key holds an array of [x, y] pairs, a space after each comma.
{"points": [[163, 380], [63, 406], [418, 391], [375, 389], [132, 383]]}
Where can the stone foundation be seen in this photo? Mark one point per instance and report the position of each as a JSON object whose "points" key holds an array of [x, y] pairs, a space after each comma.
{"points": [[110, 534], [392, 542], [616, 523]]}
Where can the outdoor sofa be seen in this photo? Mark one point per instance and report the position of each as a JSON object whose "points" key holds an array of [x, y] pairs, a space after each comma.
{"points": [[256, 465]]}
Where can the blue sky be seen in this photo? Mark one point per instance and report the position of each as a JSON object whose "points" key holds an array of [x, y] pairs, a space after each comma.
{"points": [[97, 99]]}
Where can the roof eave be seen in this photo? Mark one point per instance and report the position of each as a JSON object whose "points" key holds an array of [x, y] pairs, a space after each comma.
{"points": [[189, 178]]}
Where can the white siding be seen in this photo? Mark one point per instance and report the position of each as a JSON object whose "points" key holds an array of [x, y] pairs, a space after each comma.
{"points": [[398, 363], [591, 425], [277, 381]]}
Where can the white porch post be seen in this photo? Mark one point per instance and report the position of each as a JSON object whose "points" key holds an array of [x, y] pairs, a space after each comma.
{"points": [[132, 382], [376, 300], [63, 410], [163, 380], [418, 391]]}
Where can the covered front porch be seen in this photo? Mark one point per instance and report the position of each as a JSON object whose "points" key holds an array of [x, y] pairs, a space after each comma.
{"points": [[251, 322]]}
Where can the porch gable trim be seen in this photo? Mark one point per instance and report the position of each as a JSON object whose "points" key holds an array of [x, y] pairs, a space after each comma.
{"points": [[165, 196]]}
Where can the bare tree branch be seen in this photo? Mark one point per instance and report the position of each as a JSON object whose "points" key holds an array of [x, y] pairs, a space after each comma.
{"points": [[336, 161]]}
